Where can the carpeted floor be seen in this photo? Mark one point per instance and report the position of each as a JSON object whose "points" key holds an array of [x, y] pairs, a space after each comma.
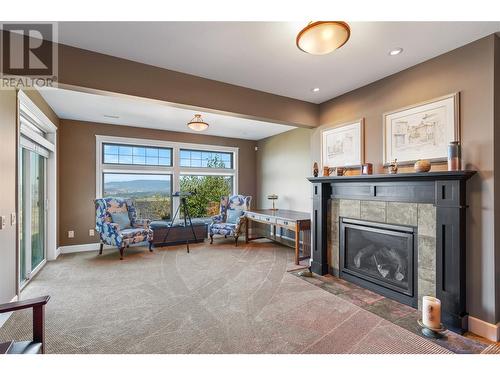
{"points": [[217, 299]]}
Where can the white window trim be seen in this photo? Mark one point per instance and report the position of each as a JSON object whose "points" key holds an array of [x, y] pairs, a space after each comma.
{"points": [[175, 170]]}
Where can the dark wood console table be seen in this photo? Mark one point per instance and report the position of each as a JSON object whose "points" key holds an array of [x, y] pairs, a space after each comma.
{"points": [[298, 222], [446, 190]]}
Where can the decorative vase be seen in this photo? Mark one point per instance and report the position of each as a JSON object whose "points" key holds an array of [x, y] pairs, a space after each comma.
{"points": [[393, 167], [315, 169], [454, 156], [422, 166]]}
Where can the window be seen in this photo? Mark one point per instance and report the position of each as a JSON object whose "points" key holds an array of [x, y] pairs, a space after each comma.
{"points": [[209, 189], [151, 193], [206, 159], [136, 155], [149, 171]]}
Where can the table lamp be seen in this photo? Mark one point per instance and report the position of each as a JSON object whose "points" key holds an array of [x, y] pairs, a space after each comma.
{"points": [[273, 197]]}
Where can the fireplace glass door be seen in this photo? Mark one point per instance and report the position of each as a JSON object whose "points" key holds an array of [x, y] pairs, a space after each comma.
{"points": [[378, 254]]}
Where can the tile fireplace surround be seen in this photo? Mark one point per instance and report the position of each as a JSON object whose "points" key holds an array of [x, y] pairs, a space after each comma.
{"points": [[432, 203], [419, 215]]}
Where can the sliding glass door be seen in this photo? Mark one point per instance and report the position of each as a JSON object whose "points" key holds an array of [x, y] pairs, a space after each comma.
{"points": [[32, 210]]}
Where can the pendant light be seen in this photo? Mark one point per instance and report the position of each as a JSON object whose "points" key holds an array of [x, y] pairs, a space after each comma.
{"points": [[323, 37], [197, 124]]}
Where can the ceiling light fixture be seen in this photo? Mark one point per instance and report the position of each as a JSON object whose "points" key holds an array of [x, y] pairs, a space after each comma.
{"points": [[197, 124], [395, 51], [316, 89], [323, 37]]}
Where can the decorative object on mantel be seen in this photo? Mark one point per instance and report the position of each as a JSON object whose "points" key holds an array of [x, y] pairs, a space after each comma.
{"points": [[367, 168], [326, 171], [454, 156], [342, 145], [393, 167], [315, 169], [422, 166], [431, 317], [272, 197], [340, 171], [421, 131]]}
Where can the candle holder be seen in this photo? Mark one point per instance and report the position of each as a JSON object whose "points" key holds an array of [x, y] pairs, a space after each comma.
{"points": [[435, 333]]}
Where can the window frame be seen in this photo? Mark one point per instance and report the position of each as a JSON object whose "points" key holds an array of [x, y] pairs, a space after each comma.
{"points": [[175, 169], [103, 144]]}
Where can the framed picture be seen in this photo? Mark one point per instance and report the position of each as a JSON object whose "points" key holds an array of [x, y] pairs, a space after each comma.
{"points": [[421, 131], [342, 145]]}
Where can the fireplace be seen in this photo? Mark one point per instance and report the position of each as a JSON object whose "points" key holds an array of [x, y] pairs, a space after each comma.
{"points": [[380, 257]]}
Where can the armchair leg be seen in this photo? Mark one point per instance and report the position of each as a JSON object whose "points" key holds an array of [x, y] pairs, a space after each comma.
{"points": [[100, 248], [151, 246], [121, 251], [211, 239], [236, 241]]}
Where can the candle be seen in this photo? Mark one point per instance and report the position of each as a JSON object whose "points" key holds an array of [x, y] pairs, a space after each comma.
{"points": [[431, 312]]}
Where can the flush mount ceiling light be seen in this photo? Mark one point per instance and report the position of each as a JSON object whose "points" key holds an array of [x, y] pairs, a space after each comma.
{"points": [[322, 37], [316, 89], [395, 51], [197, 124]]}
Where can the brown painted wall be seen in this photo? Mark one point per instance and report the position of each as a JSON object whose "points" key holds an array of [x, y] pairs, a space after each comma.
{"points": [[98, 71], [468, 70], [497, 175], [76, 164]]}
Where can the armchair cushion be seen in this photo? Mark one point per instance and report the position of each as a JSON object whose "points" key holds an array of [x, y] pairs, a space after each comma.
{"points": [[233, 216], [122, 219]]}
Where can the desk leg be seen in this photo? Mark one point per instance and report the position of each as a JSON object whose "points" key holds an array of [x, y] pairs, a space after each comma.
{"points": [[297, 242], [247, 224]]}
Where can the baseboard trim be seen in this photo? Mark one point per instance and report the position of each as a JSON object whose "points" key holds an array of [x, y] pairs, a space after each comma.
{"points": [[5, 316], [81, 248], [484, 329]]}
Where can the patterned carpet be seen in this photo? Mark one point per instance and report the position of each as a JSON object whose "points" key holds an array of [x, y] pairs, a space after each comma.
{"points": [[217, 299]]}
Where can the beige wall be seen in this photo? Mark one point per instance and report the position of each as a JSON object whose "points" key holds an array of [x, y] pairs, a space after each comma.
{"points": [[8, 235], [283, 163], [77, 163], [470, 71]]}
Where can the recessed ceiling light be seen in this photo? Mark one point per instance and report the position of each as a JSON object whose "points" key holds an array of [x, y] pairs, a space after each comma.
{"points": [[112, 116], [395, 51], [316, 89]]}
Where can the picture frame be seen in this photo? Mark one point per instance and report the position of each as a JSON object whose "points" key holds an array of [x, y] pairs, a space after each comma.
{"points": [[343, 145], [421, 131]]}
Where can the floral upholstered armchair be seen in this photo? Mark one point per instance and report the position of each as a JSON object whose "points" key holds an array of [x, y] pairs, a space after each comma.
{"points": [[231, 217], [117, 224]]}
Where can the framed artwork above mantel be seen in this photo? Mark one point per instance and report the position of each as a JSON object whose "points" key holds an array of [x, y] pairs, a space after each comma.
{"points": [[343, 145], [421, 131]]}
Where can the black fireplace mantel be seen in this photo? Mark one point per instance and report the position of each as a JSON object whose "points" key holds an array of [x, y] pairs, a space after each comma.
{"points": [[446, 190]]}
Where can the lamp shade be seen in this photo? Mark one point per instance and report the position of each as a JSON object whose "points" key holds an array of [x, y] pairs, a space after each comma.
{"points": [[197, 124], [323, 37]]}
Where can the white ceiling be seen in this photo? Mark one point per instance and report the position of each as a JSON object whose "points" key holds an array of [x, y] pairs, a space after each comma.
{"points": [[82, 106], [263, 55]]}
